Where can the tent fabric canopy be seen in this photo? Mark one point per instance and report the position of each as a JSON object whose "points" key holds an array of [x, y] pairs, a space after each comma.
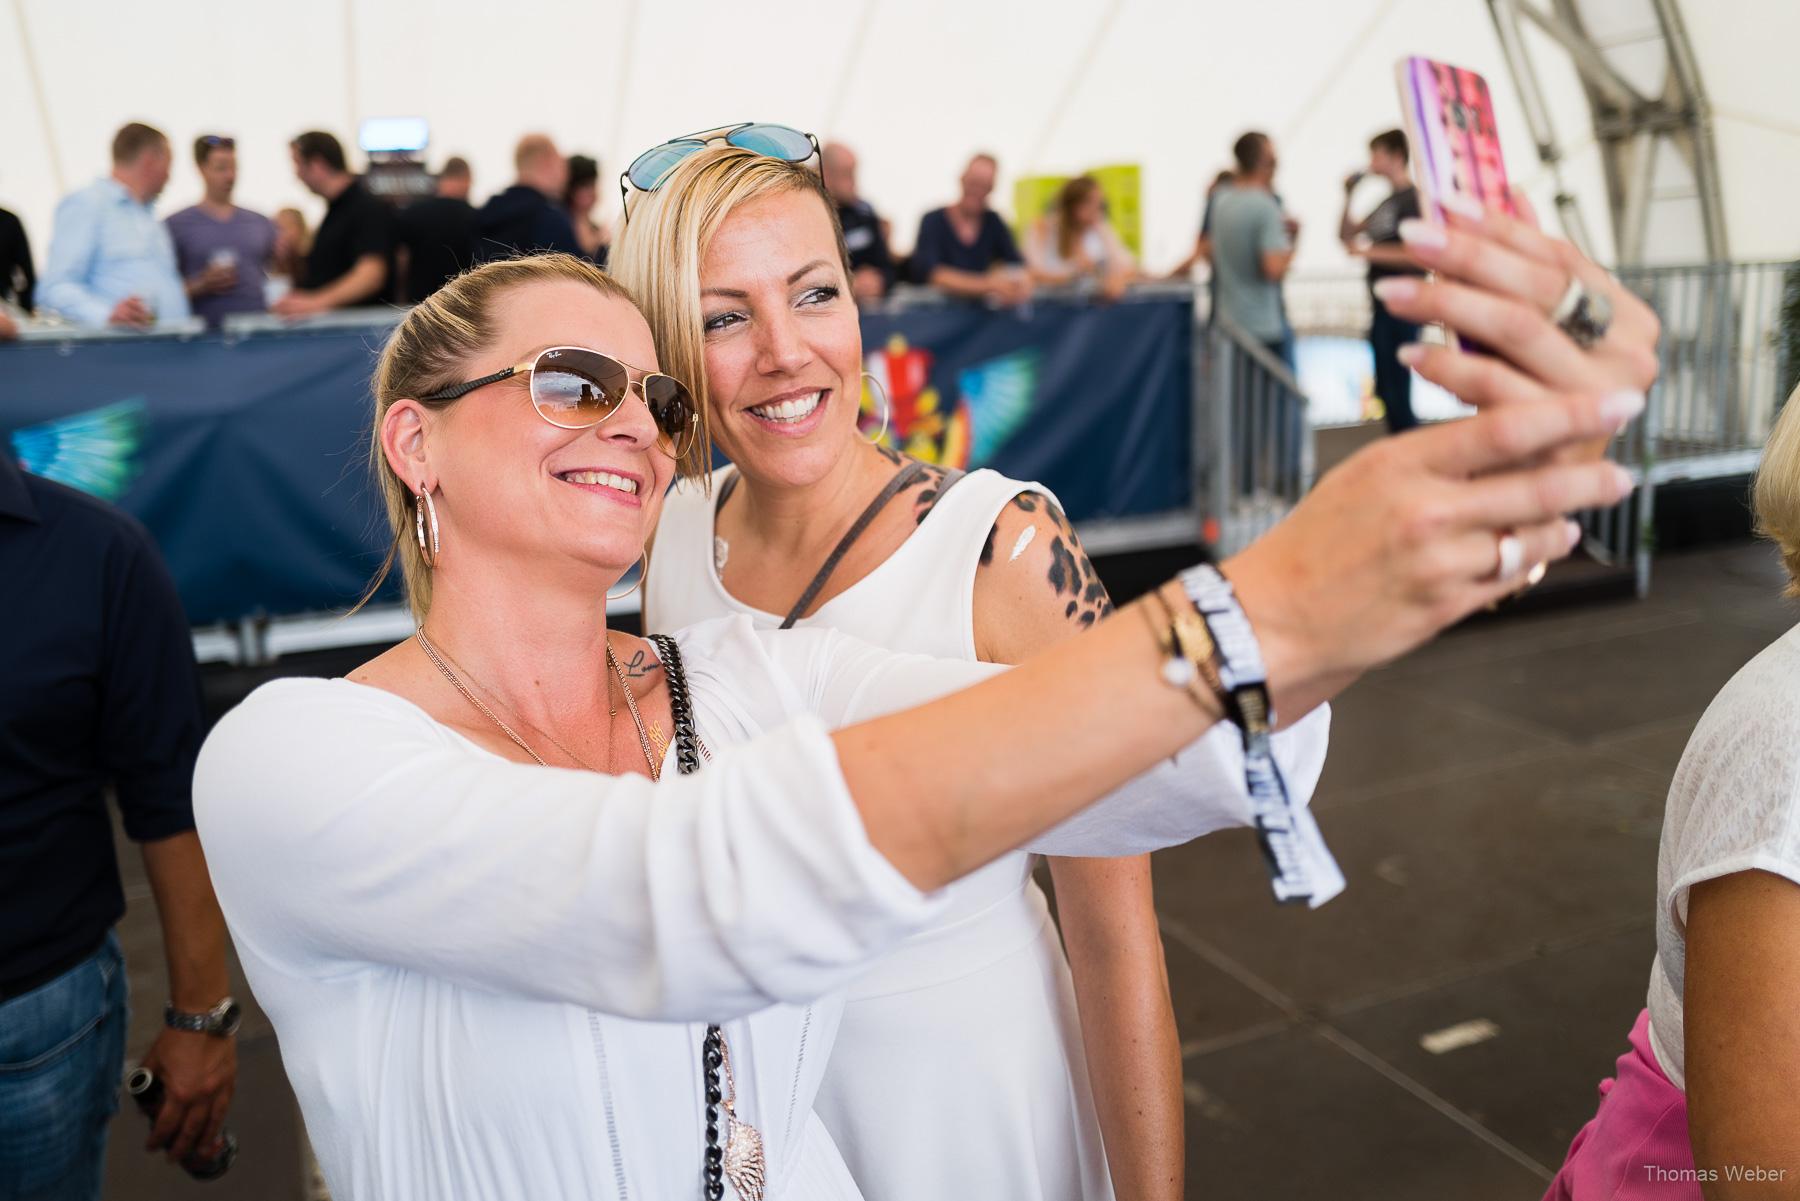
{"points": [[914, 88]]}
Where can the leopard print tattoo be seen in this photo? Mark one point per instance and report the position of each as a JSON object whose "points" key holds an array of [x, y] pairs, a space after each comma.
{"points": [[926, 489], [1071, 572]]}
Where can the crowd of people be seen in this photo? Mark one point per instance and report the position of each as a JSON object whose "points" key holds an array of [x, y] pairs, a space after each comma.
{"points": [[111, 263]]}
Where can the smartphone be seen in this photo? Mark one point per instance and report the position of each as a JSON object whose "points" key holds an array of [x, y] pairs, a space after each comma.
{"points": [[1455, 144], [1455, 141]]}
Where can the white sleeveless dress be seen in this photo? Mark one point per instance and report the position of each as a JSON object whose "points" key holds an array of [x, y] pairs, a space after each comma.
{"points": [[958, 1069]]}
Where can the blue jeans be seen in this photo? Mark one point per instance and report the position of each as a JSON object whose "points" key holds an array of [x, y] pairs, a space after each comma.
{"points": [[62, 1049], [1393, 379]]}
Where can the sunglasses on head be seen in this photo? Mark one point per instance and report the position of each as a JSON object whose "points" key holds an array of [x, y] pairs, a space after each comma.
{"points": [[649, 169], [573, 388]]}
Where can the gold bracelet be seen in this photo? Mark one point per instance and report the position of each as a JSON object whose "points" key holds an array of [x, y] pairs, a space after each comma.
{"points": [[1181, 670], [1196, 642]]}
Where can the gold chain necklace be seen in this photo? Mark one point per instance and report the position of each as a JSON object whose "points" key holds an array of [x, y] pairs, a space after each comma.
{"points": [[431, 652], [636, 719]]}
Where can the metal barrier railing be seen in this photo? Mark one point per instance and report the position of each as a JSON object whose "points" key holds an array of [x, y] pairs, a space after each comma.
{"points": [[1254, 451], [1730, 353], [1721, 380]]}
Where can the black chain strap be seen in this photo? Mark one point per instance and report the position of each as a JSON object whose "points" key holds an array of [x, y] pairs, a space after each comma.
{"points": [[712, 1049]]}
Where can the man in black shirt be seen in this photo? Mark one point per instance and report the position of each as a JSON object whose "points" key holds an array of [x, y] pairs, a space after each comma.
{"points": [[966, 250], [1377, 238], [436, 236], [865, 233], [348, 262], [97, 691], [529, 216], [18, 278]]}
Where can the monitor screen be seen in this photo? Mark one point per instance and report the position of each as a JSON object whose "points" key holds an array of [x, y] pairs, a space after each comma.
{"points": [[394, 135]]}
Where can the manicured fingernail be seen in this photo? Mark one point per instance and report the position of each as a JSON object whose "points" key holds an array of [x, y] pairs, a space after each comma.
{"points": [[1423, 235], [1620, 407], [1466, 207], [1395, 287], [1572, 531], [1411, 354], [1622, 480]]}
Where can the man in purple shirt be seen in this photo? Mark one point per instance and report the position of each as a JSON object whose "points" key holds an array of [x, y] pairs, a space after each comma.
{"points": [[221, 250]]}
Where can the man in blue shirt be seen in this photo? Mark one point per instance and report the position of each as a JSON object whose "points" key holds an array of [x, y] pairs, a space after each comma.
{"points": [[111, 261]]}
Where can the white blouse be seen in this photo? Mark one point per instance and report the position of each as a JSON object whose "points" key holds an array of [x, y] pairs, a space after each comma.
{"points": [[491, 979]]}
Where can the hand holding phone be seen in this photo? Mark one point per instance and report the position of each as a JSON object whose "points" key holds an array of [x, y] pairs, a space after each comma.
{"points": [[1456, 158]]}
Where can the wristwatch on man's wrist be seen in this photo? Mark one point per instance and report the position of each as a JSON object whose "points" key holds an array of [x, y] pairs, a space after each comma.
{"points": [[221, 1021]]}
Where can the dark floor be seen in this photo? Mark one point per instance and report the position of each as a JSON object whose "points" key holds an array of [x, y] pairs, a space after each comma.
{"points": [[1495, 802]]}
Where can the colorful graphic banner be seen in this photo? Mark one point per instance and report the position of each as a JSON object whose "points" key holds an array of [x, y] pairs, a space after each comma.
{"points": [[247, 458]]}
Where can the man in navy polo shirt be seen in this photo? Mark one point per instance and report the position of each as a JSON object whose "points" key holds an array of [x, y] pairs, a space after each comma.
{"points": [[98, 692]]}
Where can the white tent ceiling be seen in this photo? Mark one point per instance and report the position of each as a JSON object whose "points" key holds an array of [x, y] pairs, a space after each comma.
{"points": [[915, 87]]}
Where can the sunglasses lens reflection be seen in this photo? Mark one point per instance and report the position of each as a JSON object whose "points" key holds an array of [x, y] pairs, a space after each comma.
{"points": [[773, 141], [673, 409], [577, 388], [649, 168]]}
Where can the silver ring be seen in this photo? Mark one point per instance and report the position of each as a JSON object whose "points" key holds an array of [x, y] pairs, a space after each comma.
{"points": [[1583, 314], [1512, 557]]}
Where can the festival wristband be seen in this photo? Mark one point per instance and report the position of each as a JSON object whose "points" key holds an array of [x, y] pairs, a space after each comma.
{"points": [[1301, 866]]}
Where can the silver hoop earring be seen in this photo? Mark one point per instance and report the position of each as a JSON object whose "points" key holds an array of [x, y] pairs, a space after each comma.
{"points": [[642, 575], [424, 515], [887, 409]]}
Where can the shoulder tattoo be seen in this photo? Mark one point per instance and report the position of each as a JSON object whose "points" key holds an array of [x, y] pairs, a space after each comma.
{"points": [[926, 490], [1070, 576], [640, 665]]}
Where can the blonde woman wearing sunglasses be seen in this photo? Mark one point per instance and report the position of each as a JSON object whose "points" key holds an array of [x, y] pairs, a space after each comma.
{"points": [[531, 922], [1068, 1082]]}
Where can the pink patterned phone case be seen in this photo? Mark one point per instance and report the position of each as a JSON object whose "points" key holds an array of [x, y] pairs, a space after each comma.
{"points": [[1456, 145]]}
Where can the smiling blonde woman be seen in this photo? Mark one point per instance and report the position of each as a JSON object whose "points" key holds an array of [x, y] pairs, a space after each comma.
{"points": [[1070, 1079], [1068, 1072]]}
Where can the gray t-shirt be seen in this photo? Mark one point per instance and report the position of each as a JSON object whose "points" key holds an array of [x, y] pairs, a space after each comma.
{"points": [[248, 236], [1246, 223]]}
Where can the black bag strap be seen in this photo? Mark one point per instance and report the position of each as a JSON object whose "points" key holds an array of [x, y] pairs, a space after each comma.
{"points": [[725, 491], [900, 479], [905, 476]]}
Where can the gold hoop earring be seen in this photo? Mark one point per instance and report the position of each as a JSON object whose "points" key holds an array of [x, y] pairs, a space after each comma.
{"points": [[887, 409], [642, 575], [425, 514]]}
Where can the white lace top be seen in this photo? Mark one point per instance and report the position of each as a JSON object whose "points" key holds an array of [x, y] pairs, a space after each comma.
{"points": [[1734, 806]]}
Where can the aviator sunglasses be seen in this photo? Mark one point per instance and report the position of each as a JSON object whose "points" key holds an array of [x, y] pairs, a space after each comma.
{"points": [[649, 169], [573, 388]]}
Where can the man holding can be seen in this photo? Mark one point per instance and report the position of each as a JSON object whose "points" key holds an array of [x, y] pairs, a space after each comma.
{"points": [[221, 250]]}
